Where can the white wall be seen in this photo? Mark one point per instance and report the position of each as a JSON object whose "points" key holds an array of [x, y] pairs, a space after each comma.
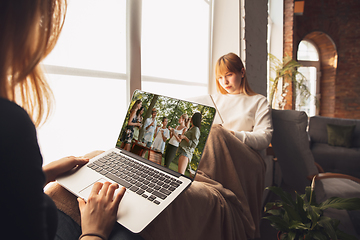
{"points": [[240, 26], [276, 9], [225, 34]]}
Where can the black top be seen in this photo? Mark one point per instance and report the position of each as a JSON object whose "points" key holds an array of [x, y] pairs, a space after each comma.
{"points": [[24, 206]]}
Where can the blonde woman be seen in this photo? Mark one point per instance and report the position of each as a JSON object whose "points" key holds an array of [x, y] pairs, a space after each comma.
{"points": [[245, 113], [29, 31], [162, 134], [175, 133]]}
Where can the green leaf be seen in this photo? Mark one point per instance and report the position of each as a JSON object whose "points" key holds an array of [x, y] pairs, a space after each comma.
{"points": [[278, 223], [275, 212], [291, 235], [298, 226], [312, 215], [327, 224], [300, 207], [292, 213], [288, 236], [318, 235], [310, 196], [272, 205], [285, 196], [341, 203]]}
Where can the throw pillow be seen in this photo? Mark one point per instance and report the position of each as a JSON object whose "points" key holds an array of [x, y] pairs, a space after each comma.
{"points": [[340, 135]]}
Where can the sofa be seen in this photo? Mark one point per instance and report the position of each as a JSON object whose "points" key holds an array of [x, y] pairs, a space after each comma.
{"points": [[335, 144], [291, 147]]}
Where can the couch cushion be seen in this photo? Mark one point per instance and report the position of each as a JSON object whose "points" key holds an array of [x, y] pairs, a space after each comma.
{"points": [[318, 129], [340, 135], [344, 188], [291, 146], [332, 159]]}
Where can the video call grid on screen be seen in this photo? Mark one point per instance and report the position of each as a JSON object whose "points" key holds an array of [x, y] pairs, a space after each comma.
{"points": [[172, 109]]}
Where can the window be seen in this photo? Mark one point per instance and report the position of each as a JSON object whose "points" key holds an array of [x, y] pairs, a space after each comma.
{"points": [[87, 70], [87, 73], [308, 57], [175, 47], [307, 51]]}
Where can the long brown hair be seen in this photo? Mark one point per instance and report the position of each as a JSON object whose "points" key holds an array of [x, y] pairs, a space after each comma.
{"points": [[29, 31], [231, 63]]}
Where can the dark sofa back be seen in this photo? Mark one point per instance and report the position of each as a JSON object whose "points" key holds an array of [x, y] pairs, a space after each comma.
{"points": [[318, 131]]}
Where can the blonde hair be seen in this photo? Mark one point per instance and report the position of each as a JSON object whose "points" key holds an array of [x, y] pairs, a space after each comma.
{"points": [[186, 120], [231, 63], [29, 31]]}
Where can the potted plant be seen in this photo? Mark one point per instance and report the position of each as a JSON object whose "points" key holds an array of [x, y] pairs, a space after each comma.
{"points": [[287, 69], [303, 218]]}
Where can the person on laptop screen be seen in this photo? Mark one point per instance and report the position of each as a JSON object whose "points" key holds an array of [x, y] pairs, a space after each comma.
{"points": [[149, 126], [133, 122], [161, 135], [175, 139], [189, 140]]}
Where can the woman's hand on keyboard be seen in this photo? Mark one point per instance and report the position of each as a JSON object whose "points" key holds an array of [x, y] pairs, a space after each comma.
{"points": [[99, 213]]}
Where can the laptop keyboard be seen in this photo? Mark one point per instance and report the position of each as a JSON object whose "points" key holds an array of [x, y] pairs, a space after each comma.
{"points": [[148, 182]]}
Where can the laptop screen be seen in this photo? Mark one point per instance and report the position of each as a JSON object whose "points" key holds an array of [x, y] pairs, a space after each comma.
{"points": [[167, 131]]}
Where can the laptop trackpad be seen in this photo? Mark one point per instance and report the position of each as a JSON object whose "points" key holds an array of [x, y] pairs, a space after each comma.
{"points": [[86, 191]]}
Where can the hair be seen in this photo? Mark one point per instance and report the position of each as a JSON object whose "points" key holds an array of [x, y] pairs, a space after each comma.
{"points": [[196, 119], [231, 63], [135, 104], [139, 110], [186, 119], [29, 31]]}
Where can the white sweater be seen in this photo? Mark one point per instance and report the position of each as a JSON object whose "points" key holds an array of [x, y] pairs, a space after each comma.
{"points": [[248, 116]]}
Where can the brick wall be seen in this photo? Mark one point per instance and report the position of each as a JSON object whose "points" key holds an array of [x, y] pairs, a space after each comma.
{"points": [[339, 21], [288, 46], [328, 65]]}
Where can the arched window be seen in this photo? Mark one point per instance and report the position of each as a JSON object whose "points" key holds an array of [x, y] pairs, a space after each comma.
{"points": [[308, 57]]}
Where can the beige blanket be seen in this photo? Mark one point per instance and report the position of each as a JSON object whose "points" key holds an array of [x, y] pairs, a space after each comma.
{"points": [[224, 201]]}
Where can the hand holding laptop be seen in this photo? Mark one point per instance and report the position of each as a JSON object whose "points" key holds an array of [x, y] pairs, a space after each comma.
{"points": [[56, 168], [99, 213]]}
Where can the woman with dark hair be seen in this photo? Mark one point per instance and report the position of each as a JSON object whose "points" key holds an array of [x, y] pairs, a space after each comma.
{"points": [[133, 122], [188, 143], [139, 118]]}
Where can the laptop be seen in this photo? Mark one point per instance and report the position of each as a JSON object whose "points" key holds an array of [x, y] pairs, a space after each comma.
{"points": [[151, 186]]}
